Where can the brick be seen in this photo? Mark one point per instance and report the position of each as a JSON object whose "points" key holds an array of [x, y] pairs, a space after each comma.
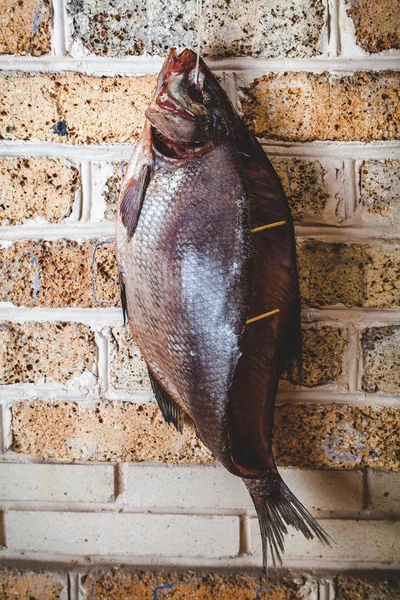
{"points": [[62, 273], [115, 431], [161, 486], [354, 540], [304, 107], [45, 352], [349, 274], [323, 356], [379, 182], [118, 533], [335, 436], [145, 585], [314, 188], [36, 188], [16, 585], [56, 483], [250, 28], [381, 356], [377, 24], [384, 491], [74, 108], [352, 588], [112, 189], [322, 490], [26, 27], [318, 436], [128, 369]]}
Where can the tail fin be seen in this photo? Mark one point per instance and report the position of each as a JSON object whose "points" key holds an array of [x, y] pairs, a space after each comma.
{"points": [[277, 507]]}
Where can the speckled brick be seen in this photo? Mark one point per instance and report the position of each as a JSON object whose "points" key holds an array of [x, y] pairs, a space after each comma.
{"points": [[328, 436], [112, 189], [381, 359], [377, 23], [115, 431], [61, 273], [379, 182], [44, 352], [354, 588], [16, 585], [304, 184], [26, 27], [337, 436], [323, 355], [128, 369], [74, 107], [36, 188], [300, 107], [145, 585], [349, 274], [235, 28]]}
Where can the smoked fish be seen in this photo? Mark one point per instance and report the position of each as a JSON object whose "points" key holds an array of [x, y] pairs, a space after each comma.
{"points": [[197, 266]]}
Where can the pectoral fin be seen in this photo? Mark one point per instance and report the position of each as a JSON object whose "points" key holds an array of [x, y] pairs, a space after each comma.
{"points": [[132, 198]]}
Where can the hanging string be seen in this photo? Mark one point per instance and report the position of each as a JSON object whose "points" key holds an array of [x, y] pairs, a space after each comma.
{"points": [[199, 27]]}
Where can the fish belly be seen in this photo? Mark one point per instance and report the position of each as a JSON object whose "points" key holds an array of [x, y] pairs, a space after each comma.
{"points": [[187, 271]]}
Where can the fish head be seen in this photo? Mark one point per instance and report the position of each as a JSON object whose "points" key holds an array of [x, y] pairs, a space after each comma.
{"points": [[182, 110]]}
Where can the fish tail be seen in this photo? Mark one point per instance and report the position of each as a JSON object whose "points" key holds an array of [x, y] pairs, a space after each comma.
{"points": [[276, 508]]}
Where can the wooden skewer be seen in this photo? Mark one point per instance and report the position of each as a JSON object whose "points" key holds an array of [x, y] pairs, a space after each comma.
{"points": [[269, 226], [268, 314], [271, 312]]}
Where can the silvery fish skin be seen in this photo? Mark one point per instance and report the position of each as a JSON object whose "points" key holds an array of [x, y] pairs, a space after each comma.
{"points": [[192, 274]]}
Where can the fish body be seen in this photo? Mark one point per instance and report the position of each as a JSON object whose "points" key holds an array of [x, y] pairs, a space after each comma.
{"points": [[193, 274]]}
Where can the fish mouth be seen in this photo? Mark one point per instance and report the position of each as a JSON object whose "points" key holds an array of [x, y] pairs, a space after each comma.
{"points": [[178, 110]]}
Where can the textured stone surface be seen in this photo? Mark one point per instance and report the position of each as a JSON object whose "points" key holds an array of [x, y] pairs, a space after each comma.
{"points": [[59, 274], [235, 28], [112, 189], [25, 27], [128, 369], [377, 23], [381, 359], [331, 436], [144, 585], [352, 588], [113, 431], [380, 186], [349, 274], [336, 436], [323, 349], [304, 185], [303, 107], [44, 352], [36, 187], [74, 107], [16, 585]]}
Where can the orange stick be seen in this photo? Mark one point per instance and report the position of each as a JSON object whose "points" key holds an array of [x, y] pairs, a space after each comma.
{"points": [[269, 226], [268, 314]]}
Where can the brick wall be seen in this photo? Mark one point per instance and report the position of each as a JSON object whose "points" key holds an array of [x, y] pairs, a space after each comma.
{"points": [[317, 81]]}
